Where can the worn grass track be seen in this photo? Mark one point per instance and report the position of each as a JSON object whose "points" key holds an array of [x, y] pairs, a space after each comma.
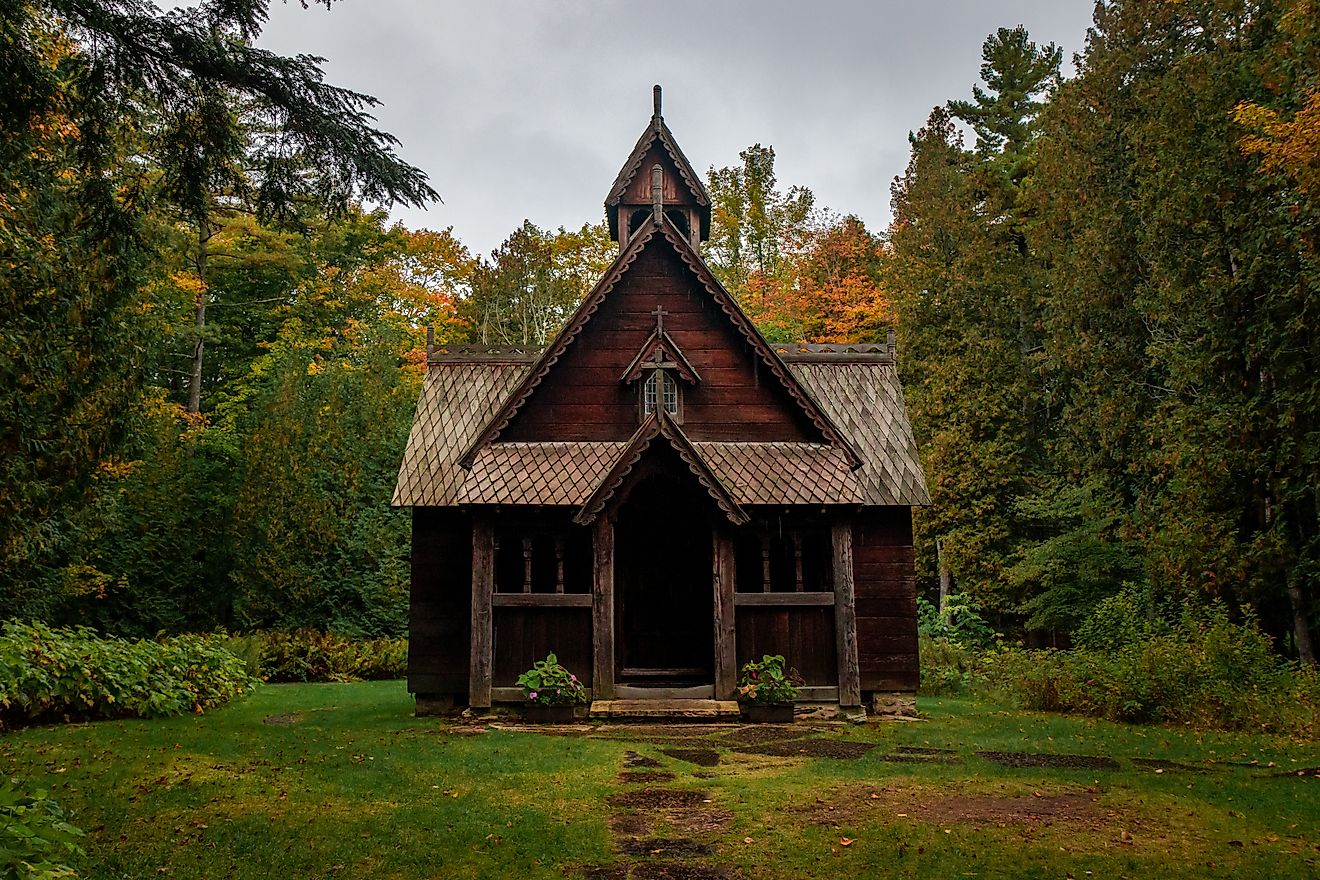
{"points": [[304, 781]]}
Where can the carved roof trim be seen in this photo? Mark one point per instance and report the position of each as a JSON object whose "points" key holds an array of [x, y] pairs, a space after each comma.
{"points": [[555, 351], [657, 129], [799, 392], [680, 364], [657, 424]]}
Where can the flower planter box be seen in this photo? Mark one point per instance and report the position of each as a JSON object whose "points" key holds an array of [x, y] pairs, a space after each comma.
{"points": [[536, 713], [767, 713]]}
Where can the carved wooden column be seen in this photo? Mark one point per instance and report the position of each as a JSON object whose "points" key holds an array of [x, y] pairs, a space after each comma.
{"points": [[726, 656], [483, 585], [602, 610], [845, 616]]}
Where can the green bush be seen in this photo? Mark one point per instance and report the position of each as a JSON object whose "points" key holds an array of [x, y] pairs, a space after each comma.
{"points": [[309, 655], [1203, 670], [946, 666], [35, 841], [961, 622], [50, 674]]}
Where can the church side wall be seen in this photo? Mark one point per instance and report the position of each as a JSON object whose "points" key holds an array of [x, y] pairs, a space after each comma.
{"points": [[440, 601], [885, 581]]}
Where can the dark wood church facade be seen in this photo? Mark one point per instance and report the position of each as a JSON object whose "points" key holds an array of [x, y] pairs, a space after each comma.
{"points": [[661, 495]]}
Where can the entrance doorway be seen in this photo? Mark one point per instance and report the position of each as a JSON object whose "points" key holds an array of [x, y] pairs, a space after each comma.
{"points": [[664, 598]]}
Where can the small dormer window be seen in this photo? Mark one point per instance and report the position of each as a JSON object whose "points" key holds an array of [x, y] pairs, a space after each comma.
{"points": [[659, 388]]}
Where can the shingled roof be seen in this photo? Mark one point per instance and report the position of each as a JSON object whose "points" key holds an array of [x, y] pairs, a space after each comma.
{"points": [[857, 386]]}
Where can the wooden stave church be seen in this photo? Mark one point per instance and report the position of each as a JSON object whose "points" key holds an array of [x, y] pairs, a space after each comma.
{"points": [[660, 495]]}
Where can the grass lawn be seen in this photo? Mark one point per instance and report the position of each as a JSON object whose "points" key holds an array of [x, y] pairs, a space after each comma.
{"points": [[341, 781]]}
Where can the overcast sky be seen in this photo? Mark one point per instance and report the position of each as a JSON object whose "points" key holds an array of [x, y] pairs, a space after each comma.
{"points": [[528, 109]]}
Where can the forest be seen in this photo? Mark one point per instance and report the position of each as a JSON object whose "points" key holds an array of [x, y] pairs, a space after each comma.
{"points": [[1105, 288]]}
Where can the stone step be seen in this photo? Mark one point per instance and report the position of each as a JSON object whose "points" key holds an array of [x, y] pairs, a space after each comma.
{"points": [[665, 710]]}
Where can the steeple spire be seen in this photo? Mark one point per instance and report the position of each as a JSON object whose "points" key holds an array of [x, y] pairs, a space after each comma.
{"points": [[681, 196]]}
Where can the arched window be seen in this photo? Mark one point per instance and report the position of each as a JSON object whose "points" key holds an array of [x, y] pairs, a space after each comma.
{"points": [[653, 395]]}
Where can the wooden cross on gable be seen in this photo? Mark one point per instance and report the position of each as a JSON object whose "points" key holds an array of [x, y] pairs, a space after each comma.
{"points": [[659, 313]]}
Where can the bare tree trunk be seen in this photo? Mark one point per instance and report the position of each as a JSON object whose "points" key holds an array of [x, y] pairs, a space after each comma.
{"points": [[1301, 626], [199, 345], [944, 580]]}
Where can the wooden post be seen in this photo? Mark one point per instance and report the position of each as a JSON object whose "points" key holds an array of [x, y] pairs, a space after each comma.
{"points": [[845, 616], [602, 610], [527, 564], [559, 563], [483, 585], [726, 655]]}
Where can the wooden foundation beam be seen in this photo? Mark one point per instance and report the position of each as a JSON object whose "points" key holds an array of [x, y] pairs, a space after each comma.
{"points": [[483, 586], [602, 610], [726, 656], [845, 616]]}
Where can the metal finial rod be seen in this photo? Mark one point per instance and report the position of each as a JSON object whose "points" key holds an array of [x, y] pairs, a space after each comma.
{"points": [[430, 339], [656, 92], [657, 190]]}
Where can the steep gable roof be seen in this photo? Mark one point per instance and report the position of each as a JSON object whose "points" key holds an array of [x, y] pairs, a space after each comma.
{"points": [[636, 244]]}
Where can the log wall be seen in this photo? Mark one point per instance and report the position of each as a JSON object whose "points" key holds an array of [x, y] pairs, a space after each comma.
{"points": [[439, 610], [886, 591]]}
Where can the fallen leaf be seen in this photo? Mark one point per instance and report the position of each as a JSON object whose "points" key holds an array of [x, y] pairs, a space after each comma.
{"points": [[845, 841], [748, 840]]}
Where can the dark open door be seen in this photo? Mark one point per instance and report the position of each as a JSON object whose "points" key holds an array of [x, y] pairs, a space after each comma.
{"points": [[663, 583]]}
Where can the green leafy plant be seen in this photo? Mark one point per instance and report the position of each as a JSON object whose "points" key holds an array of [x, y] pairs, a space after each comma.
{"points": [[36, 842], [961, 622], [51, 674], [549, 684], [311, 655], [768, 682]]}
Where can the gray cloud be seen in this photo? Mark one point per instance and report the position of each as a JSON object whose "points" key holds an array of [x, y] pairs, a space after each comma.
{"points": [[526, 110]]}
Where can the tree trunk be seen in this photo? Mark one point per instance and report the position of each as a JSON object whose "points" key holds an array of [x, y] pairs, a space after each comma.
{"points": [[944, 580], [1301, 626], [199, 345]]}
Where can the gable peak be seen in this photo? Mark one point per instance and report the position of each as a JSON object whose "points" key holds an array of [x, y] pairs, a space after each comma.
{"points": [[658, 178]]}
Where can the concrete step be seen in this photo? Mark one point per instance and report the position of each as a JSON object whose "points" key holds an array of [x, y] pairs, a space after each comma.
{"points": [[665, 710]]}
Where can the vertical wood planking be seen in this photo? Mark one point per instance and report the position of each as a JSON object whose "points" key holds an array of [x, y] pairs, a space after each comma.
{"points": [[845, 616], [726, 655], [602, 610], [483, 584]]}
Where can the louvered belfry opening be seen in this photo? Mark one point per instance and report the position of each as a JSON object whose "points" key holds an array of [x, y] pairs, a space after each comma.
{"points": [[660, 495]]}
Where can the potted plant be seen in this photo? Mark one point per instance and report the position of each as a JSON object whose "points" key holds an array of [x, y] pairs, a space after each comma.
{"points": [[551, 693], [766, 691]]}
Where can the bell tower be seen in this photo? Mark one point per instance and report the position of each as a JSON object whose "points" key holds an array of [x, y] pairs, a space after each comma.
{"points": [[658, 179]]}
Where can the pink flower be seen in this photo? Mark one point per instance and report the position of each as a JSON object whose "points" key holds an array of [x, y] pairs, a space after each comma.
{"points": [[572, 678], [532, 695]]}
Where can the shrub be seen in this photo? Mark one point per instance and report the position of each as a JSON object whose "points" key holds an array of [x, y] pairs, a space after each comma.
{"points": [[48, 674], [1202, 670], [946, 666], [549, 684], [767, 682], [36, 842], [309, 655], [961, 622]]}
